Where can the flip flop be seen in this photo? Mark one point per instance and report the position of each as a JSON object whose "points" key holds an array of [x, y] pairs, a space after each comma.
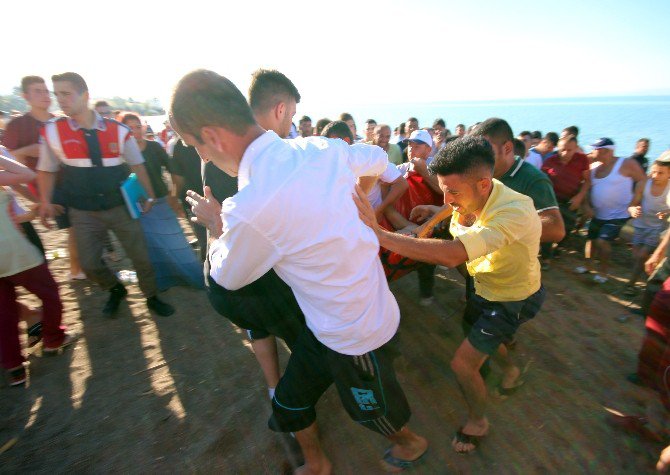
{"points": [[504, 393], [395, 464], [464, 438]]}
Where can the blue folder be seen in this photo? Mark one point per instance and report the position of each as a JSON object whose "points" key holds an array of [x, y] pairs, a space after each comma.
{"points": [[134, 194]]}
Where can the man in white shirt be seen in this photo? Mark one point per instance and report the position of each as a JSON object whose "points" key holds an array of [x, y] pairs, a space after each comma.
{"points": [[294, 213]]}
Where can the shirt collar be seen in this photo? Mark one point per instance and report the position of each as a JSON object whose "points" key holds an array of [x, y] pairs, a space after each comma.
{"points": [[98, 123], [518, 163], [254, 149]]}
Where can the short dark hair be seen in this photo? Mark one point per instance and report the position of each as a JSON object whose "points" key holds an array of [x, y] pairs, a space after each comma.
{"points": [[519, 148], [497, 130], [338, 129], [552, 137], [345, 116], [320, 124], [371, 121], [101, 104], [305, 118], [401, 128], [568, 138], [73, 78], [536, 135], [439, 122], [524, 132], [130, 116], [268, 87], [28, 81], [572, 130], [645, 140], [463, 156], [204, 98], [462, 126]]}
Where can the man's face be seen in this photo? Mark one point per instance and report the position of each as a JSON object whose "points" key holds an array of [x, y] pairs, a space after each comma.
{"points": [[526, 141], [104, 111], [659, 174], [37, 96], [601, 154], [305, 128], [567, 149], [416, 149], [369, 131], [464, 193], [382, 136], [209, 152], [460, 131], [411, 126], [287, 120], [136, 129], [352, 126], [642, 147], [70, 101]]}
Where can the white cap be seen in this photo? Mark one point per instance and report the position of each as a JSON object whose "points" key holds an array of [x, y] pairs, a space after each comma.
{"points": [[421, 136]]}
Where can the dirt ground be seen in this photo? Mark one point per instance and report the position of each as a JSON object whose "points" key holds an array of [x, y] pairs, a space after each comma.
{"points": [[184, 394]]}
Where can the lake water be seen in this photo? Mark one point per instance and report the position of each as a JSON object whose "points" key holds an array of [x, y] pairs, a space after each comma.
{"points": [[623, 119]]}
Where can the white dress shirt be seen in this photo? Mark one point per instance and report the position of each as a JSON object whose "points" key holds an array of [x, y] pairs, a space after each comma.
{"points": [[294, 212]]}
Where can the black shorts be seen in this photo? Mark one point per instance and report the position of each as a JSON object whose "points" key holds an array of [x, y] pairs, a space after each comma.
{"points": [[606, 229], [265, 307], [488, 324], [366, 384]]}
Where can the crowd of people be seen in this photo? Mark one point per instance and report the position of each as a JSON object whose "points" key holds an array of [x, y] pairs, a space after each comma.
{"points": [[273, 217]]}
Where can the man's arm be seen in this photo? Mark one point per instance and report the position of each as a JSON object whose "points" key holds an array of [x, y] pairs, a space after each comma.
{"points": [[657, 256], [553, 228], [578, 199], [422, 169], [633, 170], [366, 160], [133, 157], [396, 189]]}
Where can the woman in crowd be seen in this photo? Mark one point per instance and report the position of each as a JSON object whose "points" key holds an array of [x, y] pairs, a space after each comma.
{"points": [[22, 264], [174, 260]]}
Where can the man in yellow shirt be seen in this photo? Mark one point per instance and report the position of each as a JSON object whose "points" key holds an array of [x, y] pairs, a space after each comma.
{"points": [[497, 234]]}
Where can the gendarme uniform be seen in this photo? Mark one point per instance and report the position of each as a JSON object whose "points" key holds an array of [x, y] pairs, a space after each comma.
{"points": [[93, 163]]}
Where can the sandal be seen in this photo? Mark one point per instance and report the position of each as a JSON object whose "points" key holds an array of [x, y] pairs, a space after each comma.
{"points": [[34, 334], [394, 464], [464, 438]]}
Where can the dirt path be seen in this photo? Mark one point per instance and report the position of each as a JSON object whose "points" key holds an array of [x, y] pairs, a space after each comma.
{"points": [[184, 394]]}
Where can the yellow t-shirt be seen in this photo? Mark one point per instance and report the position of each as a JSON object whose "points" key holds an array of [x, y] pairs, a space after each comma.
{"points": [[502, 246]]}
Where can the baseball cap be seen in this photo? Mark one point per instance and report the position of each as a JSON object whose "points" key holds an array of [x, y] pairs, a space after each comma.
{"points": [[603, 142], [664, 157], [421, 136]]}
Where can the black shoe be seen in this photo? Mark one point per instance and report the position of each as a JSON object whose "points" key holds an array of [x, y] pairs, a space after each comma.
{"points": [[116, 295], [161, 308]]}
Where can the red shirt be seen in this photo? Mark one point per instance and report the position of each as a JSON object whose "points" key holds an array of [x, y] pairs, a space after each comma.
{"points": [[567, 177], [21, 132]]}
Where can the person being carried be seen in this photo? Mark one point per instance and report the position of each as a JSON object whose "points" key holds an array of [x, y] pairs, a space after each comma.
{"points": [[497, 235]]}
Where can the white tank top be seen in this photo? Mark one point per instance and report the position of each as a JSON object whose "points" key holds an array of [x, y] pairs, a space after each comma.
{"points": [[610, 196], [651, 205]]}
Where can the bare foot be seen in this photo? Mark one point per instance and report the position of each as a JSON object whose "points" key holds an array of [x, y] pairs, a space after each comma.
{"points": [[511, 377], [471, 428], [322, 468]]}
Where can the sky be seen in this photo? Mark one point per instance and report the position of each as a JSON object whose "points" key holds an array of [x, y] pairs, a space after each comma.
{"points": [[349, 53]]}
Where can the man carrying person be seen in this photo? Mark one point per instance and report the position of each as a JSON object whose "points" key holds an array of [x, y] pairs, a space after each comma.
{"points": [[22, 140], [569, 173], [94, 153], [496, 234], [292, 214], [610, 197]]}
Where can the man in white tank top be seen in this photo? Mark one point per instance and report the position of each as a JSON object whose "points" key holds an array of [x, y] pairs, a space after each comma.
{"points": [[610, 197], [647, 224]]}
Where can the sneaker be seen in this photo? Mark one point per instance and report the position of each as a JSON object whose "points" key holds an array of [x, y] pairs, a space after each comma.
{"points": [[599, 279], [581, 270], [70, 338], [116, 295], [78, 276], [17, 376], [161, 308], [426, 301]]}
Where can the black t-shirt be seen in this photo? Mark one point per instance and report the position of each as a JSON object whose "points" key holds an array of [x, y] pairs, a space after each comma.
{"points": [[186, 163], [155, 159], [223, 185], [641, 159]]}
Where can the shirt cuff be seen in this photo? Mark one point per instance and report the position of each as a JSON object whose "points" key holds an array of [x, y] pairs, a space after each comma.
{"points": [[474, 245]]}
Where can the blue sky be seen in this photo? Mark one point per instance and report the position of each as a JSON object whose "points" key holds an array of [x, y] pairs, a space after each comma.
{"points": [[350, 52]]}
